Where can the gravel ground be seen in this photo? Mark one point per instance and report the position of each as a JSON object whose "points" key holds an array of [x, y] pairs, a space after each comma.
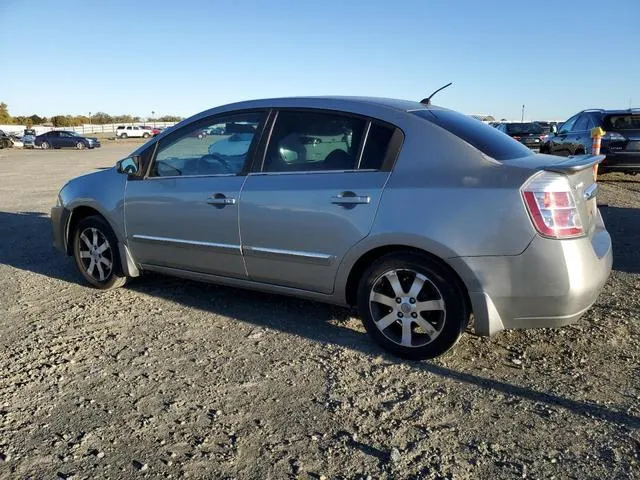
{"points": [[168, 378]]}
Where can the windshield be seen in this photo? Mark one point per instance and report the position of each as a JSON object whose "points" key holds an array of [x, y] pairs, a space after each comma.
{"points": [[524, 129], [488, 140], [623, 122]]}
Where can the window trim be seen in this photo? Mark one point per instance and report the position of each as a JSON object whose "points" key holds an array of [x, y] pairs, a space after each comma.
{"points": [[393, 149], [253, 148]]}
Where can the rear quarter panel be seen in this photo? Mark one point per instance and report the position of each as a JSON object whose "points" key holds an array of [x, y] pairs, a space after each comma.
{"points": [[445, 197]]}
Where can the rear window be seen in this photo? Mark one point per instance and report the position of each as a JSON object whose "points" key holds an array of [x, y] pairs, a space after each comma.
{"points": [[622, 122], [488, 140], [523, 128]]}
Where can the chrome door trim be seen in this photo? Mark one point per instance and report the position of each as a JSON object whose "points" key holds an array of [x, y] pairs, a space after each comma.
{"points": [[289, 255], [194, 243], [312, 172]]}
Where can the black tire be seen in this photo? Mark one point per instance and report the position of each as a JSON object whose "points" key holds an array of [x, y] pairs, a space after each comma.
{"points": [[80, 146], [123, 136], [446, 322], [145, 135], [44, 145], [95, 231]]}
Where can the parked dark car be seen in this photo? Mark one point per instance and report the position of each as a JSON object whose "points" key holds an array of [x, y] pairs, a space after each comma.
{"points": [[5, 140], [529, 134], [65, 139], [621, 142]]}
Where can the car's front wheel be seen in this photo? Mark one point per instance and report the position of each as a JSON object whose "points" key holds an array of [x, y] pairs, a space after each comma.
{"points": [[412, 306], [44, 146], [80, 146], [95, 250]]}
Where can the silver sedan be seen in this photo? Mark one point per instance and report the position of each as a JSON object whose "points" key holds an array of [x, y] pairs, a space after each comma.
{"points": [[421, 217]]}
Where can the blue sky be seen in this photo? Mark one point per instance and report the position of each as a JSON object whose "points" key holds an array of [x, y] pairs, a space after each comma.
{"points": [[73, 57]]}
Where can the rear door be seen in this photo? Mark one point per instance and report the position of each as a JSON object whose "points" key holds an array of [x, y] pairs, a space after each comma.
{"points": [[314, 196]]}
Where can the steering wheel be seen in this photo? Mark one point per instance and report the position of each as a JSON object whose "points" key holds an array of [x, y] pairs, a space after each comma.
{"points": [[205, 161]]}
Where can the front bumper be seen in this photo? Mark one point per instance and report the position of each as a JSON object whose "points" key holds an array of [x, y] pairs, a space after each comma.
{"points": [[59, 222], [551, 284]]}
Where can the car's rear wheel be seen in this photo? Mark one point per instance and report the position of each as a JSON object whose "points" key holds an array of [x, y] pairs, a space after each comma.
{"points": [[95, 250], [80, 146], [44, 146], [123, 135], [145, 135], [412, 306]]}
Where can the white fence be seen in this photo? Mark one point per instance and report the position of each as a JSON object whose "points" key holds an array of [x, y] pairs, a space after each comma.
{"points": [[83, 129]]}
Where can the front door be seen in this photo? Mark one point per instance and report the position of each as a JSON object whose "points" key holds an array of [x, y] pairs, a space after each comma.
{"points": [[184, 213], [315, 197]]}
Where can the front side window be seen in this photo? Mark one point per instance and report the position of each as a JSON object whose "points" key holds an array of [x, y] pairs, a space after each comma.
{"points": [[314, 141], [191, 151], [568, 125]]}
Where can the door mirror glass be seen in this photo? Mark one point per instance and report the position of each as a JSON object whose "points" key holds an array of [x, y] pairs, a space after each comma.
{"points": [[554, 129], [129, 166]]}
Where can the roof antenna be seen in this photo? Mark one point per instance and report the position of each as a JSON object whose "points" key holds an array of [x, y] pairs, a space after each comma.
{"points": [[427, 101]]}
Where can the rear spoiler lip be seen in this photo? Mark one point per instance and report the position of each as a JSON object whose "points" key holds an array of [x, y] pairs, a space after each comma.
{"points": [[574, 164]]}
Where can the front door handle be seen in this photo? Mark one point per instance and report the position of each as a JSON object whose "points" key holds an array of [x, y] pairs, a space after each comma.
{"points": [[220, 199], [350, 198]]}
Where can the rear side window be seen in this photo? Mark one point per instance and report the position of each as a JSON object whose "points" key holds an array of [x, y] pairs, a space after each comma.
{"points": [[488, 140], [622, 122], [313, 141], [375, 150]]}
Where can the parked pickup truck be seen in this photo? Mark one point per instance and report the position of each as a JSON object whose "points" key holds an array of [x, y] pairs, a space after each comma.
{"points": [[132, 131]]}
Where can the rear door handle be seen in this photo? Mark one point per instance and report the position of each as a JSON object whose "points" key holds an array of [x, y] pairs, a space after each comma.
{"points": [[350, 198], [220, 199]]}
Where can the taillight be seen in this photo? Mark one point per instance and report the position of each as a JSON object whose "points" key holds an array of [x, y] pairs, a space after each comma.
{"points": [[552, 207], [614, 137]]}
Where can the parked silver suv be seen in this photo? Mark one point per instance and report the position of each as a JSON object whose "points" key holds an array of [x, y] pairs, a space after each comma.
{"points": [[421, 217]]}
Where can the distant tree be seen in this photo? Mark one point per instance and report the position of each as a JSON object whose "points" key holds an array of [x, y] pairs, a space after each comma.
{"points": [[36, 119], [169, 118], [20, 120], [101, 118], [61, 121], [489, 118], [80, 120], [4, 114]]}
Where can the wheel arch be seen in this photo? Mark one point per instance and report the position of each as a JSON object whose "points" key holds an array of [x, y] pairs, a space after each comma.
{"points": [[367, 258], [83, 211]]}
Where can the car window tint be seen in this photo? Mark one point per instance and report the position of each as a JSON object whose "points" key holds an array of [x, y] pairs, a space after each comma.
{"points": [[375, 149], [488, 140], [622, 122], [193, 151], [581, 124], [313, 141], [568, 125]]}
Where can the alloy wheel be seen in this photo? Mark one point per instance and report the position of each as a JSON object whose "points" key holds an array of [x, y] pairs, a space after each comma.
{"points": [[79, 145], [407, 308], [96, 254]]}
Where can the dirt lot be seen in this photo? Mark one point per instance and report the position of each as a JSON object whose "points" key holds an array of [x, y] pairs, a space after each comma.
{"points": [[167, 378]]}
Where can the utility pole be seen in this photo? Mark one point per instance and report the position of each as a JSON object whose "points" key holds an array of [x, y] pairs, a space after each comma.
{"points": [[90, 126], [522, 119], [153, 114]]}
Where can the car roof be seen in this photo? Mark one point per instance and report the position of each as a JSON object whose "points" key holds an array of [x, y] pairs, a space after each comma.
{"points": [[376, 107]]}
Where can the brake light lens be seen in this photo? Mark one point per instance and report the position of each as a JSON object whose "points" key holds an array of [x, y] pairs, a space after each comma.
{"points": [[552, 207]]}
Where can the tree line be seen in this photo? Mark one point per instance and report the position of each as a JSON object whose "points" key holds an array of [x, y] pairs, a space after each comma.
{"points": [[99, 118]]}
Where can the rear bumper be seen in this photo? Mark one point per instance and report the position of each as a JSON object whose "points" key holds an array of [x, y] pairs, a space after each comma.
{"points": [[551, 284], [59, 222], [621, 161]]}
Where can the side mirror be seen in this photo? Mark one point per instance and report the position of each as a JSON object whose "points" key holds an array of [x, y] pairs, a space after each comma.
{"points": [[554, 129], [129, 166]]}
